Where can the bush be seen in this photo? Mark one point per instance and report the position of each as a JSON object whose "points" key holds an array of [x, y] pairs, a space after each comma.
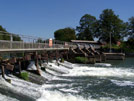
{"points": [[81, 59], [24, 76], [62, 60], [127, 47]]}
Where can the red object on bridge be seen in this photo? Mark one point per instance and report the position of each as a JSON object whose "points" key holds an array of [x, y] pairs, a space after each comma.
{"points": [[50, 42]]}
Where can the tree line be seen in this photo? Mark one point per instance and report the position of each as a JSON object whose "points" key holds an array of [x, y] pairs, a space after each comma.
{"points": [[90, 28], [108, 25], [4, 35]]}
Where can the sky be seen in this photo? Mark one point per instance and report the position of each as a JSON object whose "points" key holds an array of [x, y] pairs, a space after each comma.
{"points": [[41, 18]]}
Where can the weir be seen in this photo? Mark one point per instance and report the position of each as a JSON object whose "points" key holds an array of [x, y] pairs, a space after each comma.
{"points": [[44, 51], [33, 62]]}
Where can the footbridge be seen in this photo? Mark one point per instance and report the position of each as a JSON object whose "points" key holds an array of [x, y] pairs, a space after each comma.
{"points": [[16, 52], [30, 43]]}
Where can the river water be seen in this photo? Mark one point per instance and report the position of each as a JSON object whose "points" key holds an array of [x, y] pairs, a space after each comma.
{"points": [[99, 82]]}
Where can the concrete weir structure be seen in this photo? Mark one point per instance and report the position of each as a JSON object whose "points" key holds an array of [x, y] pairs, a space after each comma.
{"points": [[115, 56], [15, 55]]}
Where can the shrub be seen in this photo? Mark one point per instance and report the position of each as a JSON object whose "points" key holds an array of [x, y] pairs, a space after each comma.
{"points": [[24, 76], [81, 59], [62, 60]]}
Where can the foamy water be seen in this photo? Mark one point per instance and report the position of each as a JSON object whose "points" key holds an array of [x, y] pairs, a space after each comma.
{"points": [[100, 71], [82, 83], [80, 71]]}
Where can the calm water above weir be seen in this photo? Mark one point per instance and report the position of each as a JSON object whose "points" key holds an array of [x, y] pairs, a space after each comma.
{"points": [[99, 82]]}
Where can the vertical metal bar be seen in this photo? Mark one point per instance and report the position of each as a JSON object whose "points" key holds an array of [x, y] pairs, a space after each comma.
{"points": [[32, 43], [11, 40]]}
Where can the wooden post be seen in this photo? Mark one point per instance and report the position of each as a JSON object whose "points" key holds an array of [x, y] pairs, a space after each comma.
{"points": [[37, 63], [56, 55], [67, 55], [19, 67], [3, 71], [47, 58]]}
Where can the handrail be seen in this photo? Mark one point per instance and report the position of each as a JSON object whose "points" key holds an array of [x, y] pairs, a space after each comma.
{"points": [[5, 44]]}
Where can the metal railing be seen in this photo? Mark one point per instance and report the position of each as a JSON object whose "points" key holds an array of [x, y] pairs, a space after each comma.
{"points": [[29, 42], [25, 45]]}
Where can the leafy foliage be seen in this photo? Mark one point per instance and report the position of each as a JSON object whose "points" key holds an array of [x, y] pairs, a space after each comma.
{"points": [[39, 40], [24, 76], [129, 45], [16, 38], [130, 28], [6, 36], [81, 59], [110, 23], [2, 29], [87, 27], [66, 34], [3, 36], [62, 60]]}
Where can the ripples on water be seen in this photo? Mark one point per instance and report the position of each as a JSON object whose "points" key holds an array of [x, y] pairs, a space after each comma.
{"points": [[85, 83]]}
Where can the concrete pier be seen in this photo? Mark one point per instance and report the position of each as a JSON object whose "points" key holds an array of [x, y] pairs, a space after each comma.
{"points": [[114, 56]]}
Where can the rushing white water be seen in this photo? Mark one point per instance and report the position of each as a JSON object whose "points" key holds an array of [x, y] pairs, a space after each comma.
{"points": [[123, 83], [48, 95], [101, 71], [103, 64], [44, 92], [32, 66], [7, 98], [56, 96]]}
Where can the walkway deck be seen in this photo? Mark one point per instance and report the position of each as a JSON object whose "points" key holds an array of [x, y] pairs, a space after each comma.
{"points": [[19, 46], [31, 50]]}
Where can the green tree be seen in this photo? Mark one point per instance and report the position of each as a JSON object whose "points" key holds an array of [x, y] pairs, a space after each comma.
{"points": [[2, 29], [129, 44], [87, 27], [130, 28], [110, 23], [4, 35], [16, 38], [39, 40], [66, 34]]}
